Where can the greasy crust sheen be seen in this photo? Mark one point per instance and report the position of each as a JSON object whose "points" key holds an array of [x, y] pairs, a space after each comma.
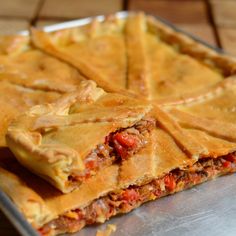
{"points": [[53, 139]]}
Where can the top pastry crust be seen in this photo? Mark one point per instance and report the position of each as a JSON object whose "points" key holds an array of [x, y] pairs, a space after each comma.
{"points": [[29, 77], [162, 64], [214, 114], [24, 65], [219, 102], [53, 140], [97, 50]]}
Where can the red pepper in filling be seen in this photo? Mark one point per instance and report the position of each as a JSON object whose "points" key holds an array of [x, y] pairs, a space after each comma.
{"points": [[170, 183], [91, 164], [226, 164], [124, 141], [130, 195], [45, 230], [230, 157]]}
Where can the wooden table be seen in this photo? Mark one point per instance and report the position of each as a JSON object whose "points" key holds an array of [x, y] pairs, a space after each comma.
{"points": [[212, 20]]}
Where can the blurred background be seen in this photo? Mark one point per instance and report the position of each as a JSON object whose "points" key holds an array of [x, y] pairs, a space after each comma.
{"points": [[212, 20]]}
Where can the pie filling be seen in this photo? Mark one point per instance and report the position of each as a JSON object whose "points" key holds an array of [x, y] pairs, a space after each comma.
{"points": [[126, 200], [118, 146]]}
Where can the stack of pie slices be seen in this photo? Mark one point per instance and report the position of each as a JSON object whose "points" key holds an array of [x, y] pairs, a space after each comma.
{"points": [[98, 119]]}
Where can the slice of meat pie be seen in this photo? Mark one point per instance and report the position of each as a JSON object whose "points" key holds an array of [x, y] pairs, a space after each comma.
{"points": [[70, 140]]}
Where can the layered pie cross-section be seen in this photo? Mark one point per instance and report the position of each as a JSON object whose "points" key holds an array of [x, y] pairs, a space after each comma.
{"points": [[70, 140]]}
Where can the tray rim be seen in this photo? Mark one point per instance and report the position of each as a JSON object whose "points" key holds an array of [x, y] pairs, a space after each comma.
{"points": [[7, 206], [120, 15]]}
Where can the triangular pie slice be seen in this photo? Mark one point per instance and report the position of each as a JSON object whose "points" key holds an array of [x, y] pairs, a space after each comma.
{"points": [[161, 168], [168, 67], [96, 49], [22, 64], [70, 140]]}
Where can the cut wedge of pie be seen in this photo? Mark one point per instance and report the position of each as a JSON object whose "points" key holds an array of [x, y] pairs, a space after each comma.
{"points": [[71, 140]]}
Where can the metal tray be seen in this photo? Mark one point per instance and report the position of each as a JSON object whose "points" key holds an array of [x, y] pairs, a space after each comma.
{"points": [[207, 209]]}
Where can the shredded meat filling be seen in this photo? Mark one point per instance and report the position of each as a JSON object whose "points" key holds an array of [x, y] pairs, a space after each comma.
{"points": [[125, 200], [119, 145]]}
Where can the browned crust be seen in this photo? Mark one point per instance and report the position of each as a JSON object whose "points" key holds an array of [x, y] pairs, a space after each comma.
{"points": [[29, 203]]}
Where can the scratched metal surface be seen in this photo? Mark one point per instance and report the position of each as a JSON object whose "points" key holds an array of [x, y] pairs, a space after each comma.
{"points": [[208, 209]]}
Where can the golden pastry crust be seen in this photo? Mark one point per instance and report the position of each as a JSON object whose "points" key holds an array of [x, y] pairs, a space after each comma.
{"points": [[101, 47], [29, 203], [220, 102], [162, 65], [22, 64], [158, 69], [53, 139], [212, 115], [138, 67]]}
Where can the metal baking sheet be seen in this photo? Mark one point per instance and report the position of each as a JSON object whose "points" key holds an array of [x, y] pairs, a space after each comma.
{"points": [[207, 209]]}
